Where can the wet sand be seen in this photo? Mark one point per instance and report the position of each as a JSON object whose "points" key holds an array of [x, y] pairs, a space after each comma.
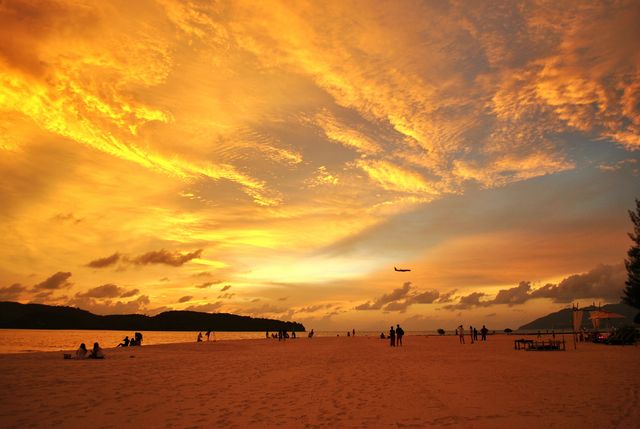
{"points": [[342, 382]]}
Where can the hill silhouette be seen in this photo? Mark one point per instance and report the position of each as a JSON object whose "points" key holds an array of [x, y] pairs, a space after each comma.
{"points": [[14, 315], [562, 319]]}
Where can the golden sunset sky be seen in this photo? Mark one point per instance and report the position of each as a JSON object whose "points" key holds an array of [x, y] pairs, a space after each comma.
{"points": [[278, 159]]}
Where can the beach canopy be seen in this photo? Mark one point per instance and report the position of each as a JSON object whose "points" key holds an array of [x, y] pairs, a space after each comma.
{"points": [[604, 315], [597, 316]]}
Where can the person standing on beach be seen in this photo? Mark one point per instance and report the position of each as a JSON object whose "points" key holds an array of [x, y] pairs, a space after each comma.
{"points": [[471, 333], [392, 337], [354, 332], [400, 334], [208, 334], [483, 333], [461, 334], [199, 340], [475, 334]]}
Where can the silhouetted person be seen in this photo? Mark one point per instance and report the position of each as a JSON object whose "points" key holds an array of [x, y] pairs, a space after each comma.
{"points": [[96, 352], [138, 337], [475, 334], [471, 333], [311, 334], [293, 334], [483, 333], [392, 337], [124, 343], [461, 334], [280, 336], [267, 334], [81, 353], [199, 340], [208, 334], [399, 334], [382, 337], [353, 331]]}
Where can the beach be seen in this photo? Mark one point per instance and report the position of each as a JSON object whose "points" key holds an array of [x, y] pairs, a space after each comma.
{"points": [[350, 382]]}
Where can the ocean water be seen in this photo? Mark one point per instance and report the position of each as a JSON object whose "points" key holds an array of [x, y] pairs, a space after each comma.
{"points": [[49, 340]]}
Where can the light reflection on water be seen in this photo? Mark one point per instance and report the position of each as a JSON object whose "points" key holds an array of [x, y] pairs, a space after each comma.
{"points": [[31, 340], [48, 340]]}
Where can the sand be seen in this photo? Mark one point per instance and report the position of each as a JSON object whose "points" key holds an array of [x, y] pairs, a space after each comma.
{"points": [[326, 383]]}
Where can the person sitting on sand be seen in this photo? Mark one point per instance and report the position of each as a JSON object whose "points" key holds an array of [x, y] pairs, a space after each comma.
{"points": [[96, 352], [81, 353], [124, 343], [382, 337], [138, 339], [199, 337]]}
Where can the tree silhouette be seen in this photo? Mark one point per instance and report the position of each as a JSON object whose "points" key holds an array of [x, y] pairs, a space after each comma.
{"points": [[632, 291]]}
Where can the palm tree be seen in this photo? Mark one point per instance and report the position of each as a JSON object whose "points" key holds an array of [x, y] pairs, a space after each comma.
{"points": [[632, 291]]}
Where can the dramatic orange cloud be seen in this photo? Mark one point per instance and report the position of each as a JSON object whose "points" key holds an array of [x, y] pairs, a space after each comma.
{"points": [[301, 149]]}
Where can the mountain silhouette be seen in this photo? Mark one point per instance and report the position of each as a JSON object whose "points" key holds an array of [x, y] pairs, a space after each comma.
{"points": [[563, 320], [14, 315]]}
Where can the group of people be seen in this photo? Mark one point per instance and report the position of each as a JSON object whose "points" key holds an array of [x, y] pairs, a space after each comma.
{"points": [[95, 353], [136, 340], [473, 333], [395, 336], [208, 335], [283, 334]]}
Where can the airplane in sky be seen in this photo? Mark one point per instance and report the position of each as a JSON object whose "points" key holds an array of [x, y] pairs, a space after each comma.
{"points": [[401, 270]]}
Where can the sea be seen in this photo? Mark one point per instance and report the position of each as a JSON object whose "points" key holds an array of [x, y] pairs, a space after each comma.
{"points": [[50, 340]]}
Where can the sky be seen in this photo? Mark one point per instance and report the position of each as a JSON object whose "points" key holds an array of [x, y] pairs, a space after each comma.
{"points": [[278, 159]]}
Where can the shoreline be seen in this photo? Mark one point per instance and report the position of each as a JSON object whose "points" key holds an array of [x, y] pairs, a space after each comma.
{"points": [[319, 334]]}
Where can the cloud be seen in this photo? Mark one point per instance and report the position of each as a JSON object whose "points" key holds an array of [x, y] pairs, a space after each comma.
{"points": [[516, 295], [138, 305], [104, 262], [377, 304], [108, 291], [226, 296], [265, 309], [225, 287], [130, 293], [206, 308], [446, 297], [468, 301], [401, 299], [428, 297], [162, 256], [13, 292], [185, 298], [55, 282], [603, 281], [313, 308]]}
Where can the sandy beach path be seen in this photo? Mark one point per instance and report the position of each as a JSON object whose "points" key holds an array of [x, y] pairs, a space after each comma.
{"points": [[340, 382]]}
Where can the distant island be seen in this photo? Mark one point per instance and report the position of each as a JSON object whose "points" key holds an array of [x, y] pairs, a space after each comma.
{"points": [[562, 319], [14, 315]]}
